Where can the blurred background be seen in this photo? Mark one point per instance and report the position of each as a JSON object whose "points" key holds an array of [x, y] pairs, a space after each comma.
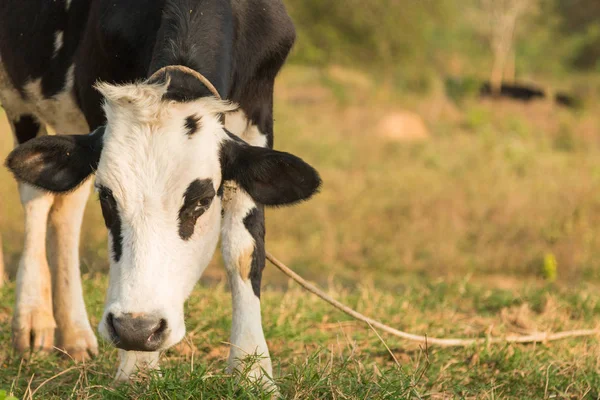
{"points": [[454, 138]]}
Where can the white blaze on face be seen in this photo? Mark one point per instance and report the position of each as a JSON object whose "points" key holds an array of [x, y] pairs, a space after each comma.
{"points": [[149, 159]]}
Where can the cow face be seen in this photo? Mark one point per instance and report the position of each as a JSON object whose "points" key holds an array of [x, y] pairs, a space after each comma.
{"points": [[160, 170]]}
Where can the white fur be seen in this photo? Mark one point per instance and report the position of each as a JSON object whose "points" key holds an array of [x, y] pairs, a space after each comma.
{"points": [[148, 162], [60, 111], [11, 100], [58, 42], [247, 337], [237, 122], [33, 307], [75, 333]]}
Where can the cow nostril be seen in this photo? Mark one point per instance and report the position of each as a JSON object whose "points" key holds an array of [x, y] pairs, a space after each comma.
{"points": [[157, 335], [110, 324]]}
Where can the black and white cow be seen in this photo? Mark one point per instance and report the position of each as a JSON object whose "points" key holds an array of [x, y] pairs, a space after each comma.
{"points": [[174, 166]]}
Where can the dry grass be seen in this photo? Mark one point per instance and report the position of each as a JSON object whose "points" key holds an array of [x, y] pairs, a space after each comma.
{"points": [[319, 353], [446, 237]]}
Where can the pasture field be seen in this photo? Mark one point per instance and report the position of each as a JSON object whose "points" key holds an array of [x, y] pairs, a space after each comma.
{"points": [[487, 227]]}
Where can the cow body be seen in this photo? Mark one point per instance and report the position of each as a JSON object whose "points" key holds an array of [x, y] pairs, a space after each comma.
{"points": [[51, 55], [53, 52]]}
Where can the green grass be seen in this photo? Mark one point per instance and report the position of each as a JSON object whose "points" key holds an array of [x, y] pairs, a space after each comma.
{"points": [[320, 353], [490, 226]]}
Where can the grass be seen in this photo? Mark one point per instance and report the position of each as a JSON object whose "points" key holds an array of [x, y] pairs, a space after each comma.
{"points": [[488, 227], [319, 353]]}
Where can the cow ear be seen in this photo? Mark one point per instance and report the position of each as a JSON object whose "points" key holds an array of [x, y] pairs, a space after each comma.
{"points": [[270, 177], [57, 163]]}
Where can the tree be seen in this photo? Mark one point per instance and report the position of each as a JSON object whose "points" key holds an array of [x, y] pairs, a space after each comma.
{"points": [[500, 18], [580, 21]]}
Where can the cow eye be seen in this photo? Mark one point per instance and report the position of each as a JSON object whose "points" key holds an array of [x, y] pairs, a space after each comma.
{"points": [[104, 194], [112, 220], [196, 201], [204, 203], [108, 205], [196, 210]]}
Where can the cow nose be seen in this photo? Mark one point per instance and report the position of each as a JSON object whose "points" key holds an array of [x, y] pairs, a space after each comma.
{"points": [[137, 332]]}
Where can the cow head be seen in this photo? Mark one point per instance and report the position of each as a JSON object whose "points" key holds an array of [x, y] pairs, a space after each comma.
{"points": [[160, 166]]}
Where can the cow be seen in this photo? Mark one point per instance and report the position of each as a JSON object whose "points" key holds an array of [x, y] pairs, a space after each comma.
{"points": [[133, 90], [515, 91]]}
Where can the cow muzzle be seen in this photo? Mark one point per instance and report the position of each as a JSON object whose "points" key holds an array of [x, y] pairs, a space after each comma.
{"points": [[137, 332]]}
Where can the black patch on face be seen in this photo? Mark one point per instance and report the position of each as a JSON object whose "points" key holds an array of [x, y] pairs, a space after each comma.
{"points": [[193, 123], [255, 224], [112, 220], [26, 128], [196, 200]]}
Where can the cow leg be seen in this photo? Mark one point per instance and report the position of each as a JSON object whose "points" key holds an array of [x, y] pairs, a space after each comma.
{"points": [[74, 333], [33, 321], [243, 248], [244, 254]]}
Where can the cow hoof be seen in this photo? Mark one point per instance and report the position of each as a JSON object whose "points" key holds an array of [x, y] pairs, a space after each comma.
{"points": [[266, 383], [260, 372], [79, 345], [33, 330], [81, 355]]}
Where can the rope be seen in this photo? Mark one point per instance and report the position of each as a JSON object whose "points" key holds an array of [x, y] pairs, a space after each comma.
{"points": [[189, 71], [444, 342]]}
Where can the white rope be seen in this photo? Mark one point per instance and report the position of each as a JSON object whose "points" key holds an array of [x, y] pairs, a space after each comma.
{"points": [[444, 342], [192, 72]]}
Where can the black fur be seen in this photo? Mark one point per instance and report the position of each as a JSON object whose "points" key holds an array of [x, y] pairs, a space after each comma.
{"points": [[27, 33], [237, 48], [270, 177], [255, 224], [26, 128], [232, 136], [193, 123], [116, 47], [112, 220], [57, 163], [196, 200], [199, 35]]}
